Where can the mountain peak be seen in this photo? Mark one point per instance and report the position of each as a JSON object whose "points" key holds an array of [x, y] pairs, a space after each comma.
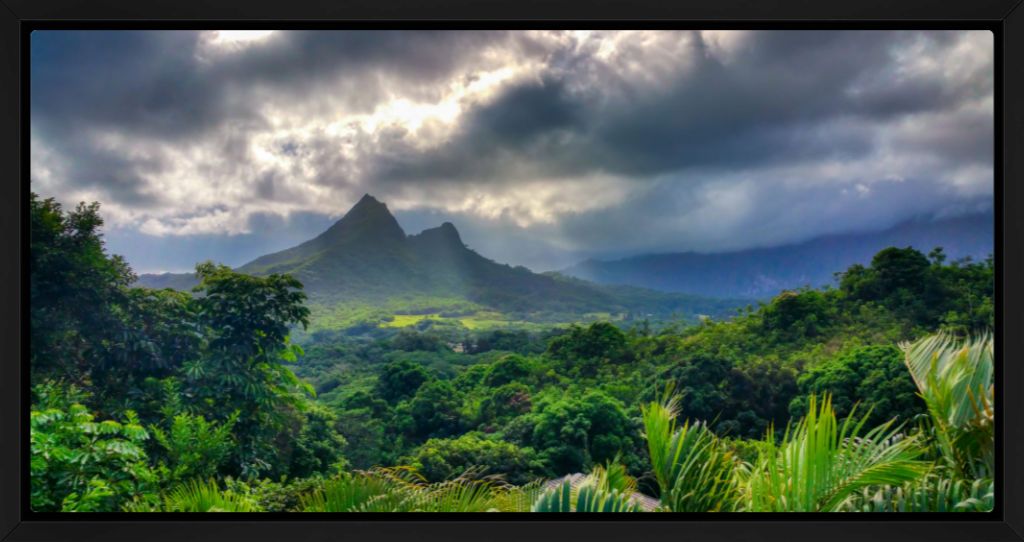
{"points": [[368, 200], [443, 235], [368, 219], [448, 229], [368, 205]]}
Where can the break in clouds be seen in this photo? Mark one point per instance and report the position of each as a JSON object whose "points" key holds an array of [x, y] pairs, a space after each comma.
{"points": [[542, 147]]}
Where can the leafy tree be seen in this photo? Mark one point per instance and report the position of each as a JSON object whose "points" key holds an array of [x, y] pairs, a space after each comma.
{"points": [[73, 289], [574, 433], [400, 379], [365, 400], [956, 380], [734, 400], [79, 464], [247, 320], [369, 444], [159, 334], [795, 315], [412, 341], [193, 447], [505, 402], [318, 448], [510, 368], [760, 393], [969, 287], [926, 293], [873, 376], [897, 269], [435, 410], [702, 383], [586, 349], [519, 342], [444, 459]]}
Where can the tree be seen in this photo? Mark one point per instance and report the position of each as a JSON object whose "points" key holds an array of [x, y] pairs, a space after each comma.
{"points": [[702, 383], [74, 290], [246, 320], [510, 368], [873, 376], [435, 410], [193, 447], [760, 393], [318, 448], [505, 402], [586, 350], [899, 269], [158, 333], [412, 341], [444, 459], [796, 315], [902, 280], [574, 433], [400, 379], [79, 464]]}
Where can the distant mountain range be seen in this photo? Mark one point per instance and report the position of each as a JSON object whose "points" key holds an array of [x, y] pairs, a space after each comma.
{"points": [[763, 272], [366, 257]]}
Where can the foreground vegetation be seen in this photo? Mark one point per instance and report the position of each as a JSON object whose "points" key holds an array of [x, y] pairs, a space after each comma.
{"points": [[875, 395]]}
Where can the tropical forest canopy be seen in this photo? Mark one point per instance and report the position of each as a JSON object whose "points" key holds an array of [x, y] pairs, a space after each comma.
{"points": [[367, 370]]}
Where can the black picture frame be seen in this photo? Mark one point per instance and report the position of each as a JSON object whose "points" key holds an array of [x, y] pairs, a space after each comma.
{"points": [[1005, 18]]}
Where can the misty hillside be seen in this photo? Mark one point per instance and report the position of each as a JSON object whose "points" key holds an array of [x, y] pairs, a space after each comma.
{"points": [[762, 273]]}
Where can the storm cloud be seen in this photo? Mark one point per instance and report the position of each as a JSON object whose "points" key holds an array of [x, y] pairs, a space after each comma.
{"points": [[543, 147]]}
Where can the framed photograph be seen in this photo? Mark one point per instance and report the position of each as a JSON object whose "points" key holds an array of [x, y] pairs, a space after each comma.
{"points": [[465, 271]]}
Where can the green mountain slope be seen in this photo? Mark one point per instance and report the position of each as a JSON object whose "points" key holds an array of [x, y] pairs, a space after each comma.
{"points": [[366, 259]]}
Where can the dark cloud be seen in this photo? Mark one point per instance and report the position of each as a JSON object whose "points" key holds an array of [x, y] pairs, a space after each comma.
{"points": [[706, 141], [767, 105], [156, 84]]}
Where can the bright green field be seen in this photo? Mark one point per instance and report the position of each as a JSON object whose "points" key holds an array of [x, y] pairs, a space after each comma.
{"points": [[482, 320], [406, 320], [411, 311]]}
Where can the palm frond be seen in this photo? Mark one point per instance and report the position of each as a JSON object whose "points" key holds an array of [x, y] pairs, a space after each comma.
{"points": [[955, 379], [613, 475], [517, 498], [819, 463], [198, 496], [360, 492], [932, 493], [589, 497], [694, 470]]}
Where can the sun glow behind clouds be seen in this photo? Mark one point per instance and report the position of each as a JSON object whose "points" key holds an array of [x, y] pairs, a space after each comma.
{"points": [[236, 37], [215, 42]]}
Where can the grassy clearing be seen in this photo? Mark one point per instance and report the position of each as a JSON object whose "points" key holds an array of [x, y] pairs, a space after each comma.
{"points": [[406, 320], [482, 320]]}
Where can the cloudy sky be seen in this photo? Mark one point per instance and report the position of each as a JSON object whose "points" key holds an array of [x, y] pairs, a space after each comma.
{"points": [[542, 147]]}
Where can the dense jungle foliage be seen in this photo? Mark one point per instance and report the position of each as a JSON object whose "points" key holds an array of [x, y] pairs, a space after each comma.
{"points": [[873, 395]]}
